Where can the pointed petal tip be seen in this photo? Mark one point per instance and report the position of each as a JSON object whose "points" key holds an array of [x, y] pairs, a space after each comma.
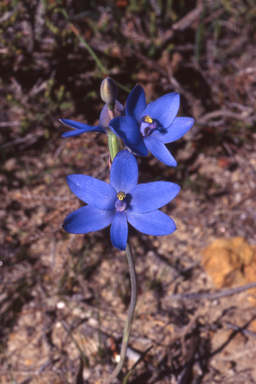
{"points": [[137, 149], [66, 134], [67, 121], [136, 103], [138, 86], [154, 223], [119, 247], [151, 196], [159, 150]]}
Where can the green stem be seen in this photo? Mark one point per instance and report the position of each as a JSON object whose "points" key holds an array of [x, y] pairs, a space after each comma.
{"points": [[113, 145], [128, 323], [90, 50], [85, 44]]}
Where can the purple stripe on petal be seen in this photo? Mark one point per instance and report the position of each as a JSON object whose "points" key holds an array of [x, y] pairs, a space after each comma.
{"points": [[124, 172], [159, 150], [151, 196], [154, 223], [119, 231], [92, 191], [87, 219]]}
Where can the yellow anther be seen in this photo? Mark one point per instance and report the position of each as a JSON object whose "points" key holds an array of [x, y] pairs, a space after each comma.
{"points": [[147, 119], [121, 195]]}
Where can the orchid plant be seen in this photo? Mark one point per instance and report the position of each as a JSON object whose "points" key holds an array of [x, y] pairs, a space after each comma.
{"points": [[140, 128]]}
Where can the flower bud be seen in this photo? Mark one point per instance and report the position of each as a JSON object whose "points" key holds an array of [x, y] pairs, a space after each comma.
{"points": [[108, 91]]}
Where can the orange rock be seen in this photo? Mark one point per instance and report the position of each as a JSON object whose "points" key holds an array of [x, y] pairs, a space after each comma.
{"points": [[230, 262]]}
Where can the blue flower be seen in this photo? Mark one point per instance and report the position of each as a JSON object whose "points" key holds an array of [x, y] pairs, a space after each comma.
{"points": [[120, 202], [103, 122], [150, 127]]}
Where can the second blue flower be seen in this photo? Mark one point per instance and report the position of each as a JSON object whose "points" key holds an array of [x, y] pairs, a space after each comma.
{"points": [[120, 202], [150, 127]]}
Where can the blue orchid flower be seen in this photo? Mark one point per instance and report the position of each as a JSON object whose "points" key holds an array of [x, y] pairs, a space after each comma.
{"points": [[120, 202], [103, 122], [150, 127]]}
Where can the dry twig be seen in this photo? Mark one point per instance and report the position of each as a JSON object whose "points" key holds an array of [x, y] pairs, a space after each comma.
{"points": [[214, 295]]}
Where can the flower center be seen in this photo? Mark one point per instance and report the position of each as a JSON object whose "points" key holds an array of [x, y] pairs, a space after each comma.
{"points": [[121, 195], [147, 125], [120, 204]]}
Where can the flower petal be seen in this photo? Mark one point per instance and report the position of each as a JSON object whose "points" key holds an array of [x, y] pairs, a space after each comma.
{"points": [[151, 196], [87, 219], [124, 172], [154, 223], [159, 150], [136, 103], [137, 149], [105, 118], [78, 132], [164, 109], [177, 129], [92, 191], [126, 128], [79, 128], [119, 231]]}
